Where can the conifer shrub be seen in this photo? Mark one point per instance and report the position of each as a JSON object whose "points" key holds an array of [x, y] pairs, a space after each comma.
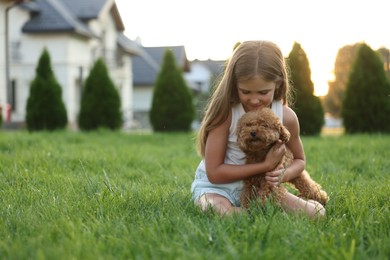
{"points": [[45, 109], [306, 105], [366, 106], [172, 105], [100, 101]]}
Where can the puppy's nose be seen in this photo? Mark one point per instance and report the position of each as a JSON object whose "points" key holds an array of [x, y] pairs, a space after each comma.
{"points": [[253, 134]]}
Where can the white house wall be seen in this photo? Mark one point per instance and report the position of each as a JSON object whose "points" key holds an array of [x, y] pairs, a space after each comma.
{"points": [[22, 75], [78, 64], [16, 18], [124, 81], [67, 55], [199, 77], [110, 32], [22, 68], [105, 29]]}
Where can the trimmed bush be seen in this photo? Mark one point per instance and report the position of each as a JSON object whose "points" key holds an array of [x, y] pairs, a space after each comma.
{"points": [[45, 109], [172, 105], [100, 102], [366, 106], [307, 106]]}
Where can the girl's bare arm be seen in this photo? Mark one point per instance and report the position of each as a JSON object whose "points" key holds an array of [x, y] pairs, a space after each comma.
{"points": [[295, 145]]}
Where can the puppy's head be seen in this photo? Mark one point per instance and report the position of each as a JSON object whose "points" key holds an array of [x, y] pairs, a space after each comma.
{"points": [[259, 130]]}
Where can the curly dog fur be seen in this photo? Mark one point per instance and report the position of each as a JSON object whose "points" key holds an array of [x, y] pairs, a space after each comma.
{"points": [[257, 132]]}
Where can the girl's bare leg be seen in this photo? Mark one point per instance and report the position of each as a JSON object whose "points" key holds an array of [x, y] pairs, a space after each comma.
{"points": [[294, 204], [219, 203], [289, 202]]}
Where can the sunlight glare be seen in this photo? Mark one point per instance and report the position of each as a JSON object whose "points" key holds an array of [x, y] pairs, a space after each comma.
{"points": [[210, 29]]}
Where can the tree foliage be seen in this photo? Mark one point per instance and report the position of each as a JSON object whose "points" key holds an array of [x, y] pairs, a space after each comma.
{"points": [[307, 106], [366, 106], [384, 53], [342, 68], [172, 105], [45, 109], [100, 102]]}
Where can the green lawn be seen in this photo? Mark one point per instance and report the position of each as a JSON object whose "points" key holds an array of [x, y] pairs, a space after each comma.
{"points": [[105, 195]]}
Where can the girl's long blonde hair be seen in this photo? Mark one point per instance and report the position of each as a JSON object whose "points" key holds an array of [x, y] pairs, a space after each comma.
{"points": [[249, 59]]}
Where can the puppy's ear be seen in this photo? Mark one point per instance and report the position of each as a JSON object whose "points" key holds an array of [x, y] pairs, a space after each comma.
{"points": [[284, 134]]}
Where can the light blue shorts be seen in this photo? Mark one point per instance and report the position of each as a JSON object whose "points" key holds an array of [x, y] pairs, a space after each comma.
{"points": [[202, 185]]}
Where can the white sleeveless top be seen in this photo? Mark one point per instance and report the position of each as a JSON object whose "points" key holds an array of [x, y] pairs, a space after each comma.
{"points": [[233, 155]]}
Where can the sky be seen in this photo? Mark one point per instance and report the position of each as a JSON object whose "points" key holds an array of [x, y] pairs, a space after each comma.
{"points": [[208, 29]]}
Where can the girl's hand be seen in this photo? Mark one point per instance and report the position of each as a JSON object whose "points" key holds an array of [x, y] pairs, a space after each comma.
{"points": [[275, 177], [275, 155]]}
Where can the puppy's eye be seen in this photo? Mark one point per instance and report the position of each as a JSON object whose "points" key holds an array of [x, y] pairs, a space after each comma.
{"points": [[264, 125], [249, 124]]}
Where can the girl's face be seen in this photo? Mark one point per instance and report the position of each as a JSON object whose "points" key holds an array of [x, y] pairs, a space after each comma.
{"points": [[255, 93]]}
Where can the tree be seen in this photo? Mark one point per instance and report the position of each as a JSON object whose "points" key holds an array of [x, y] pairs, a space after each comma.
{"points": [[45, 109], [366, 106], [385, 56], [307, 106], [100, 102], [334, 99], [172, 106]]}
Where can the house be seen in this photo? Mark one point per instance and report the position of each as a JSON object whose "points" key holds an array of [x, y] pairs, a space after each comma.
{"points": [[146, 67], [76, 33], [204, 74]]}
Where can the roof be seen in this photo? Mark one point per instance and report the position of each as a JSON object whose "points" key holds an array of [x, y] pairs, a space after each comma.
{"points": [[85, 9], [68, 16], [11, 1], [147, 65], [55, 16], [30, 6], [128, 45]]}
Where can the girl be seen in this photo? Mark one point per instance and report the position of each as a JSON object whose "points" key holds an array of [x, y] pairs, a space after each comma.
{"points": [[255, 77]]}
